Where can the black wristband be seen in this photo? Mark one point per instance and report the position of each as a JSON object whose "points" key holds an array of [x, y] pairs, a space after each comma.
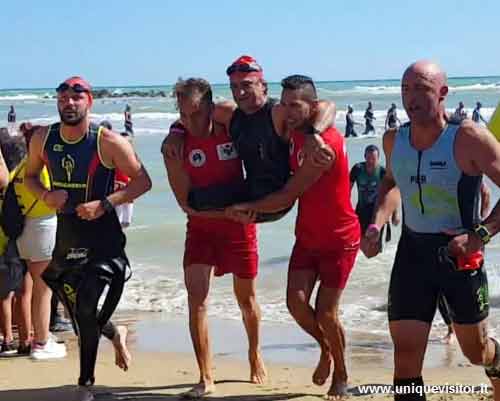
{"points": [[107, 205]]}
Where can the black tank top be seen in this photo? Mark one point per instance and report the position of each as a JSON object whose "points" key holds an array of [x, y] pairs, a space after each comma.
{"points": [[264, 153], [77, 167]]}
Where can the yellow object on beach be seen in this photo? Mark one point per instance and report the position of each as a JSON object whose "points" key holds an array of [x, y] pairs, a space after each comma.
{"points": [[494, 124]]}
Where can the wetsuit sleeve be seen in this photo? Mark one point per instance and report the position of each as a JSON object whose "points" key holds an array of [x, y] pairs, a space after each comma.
{"points": [[354, 173]]}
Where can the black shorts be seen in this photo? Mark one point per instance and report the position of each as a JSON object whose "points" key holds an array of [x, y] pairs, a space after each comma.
{"points": [[365, 216], [12, 270], [418, 279]]}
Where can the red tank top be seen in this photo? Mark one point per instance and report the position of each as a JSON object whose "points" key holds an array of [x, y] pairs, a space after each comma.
{"points": [[325, 218], [212, 161]]}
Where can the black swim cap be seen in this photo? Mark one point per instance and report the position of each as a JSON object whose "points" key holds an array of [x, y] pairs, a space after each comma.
{"points": [[372, 148]]}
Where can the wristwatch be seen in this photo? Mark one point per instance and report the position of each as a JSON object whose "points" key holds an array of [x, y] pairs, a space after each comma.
{"points": [[483, 233], [107, 205]]}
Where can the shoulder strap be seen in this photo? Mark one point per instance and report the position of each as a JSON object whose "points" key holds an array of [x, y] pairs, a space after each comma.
{"points": [[18, 170]]}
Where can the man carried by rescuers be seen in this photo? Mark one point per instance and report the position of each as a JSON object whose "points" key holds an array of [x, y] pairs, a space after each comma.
{"points": [[436, 169], [258, 129], [89, 253], [214, 243], [327, 230]]}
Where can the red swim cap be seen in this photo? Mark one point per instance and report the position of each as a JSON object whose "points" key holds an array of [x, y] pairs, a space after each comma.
{"points": [[77, 84], [246, 65]]}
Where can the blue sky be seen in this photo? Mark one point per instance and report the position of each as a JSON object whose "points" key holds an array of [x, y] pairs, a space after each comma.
{"points": [[155, 41]]}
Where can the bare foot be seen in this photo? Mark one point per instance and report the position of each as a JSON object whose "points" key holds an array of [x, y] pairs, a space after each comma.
{"points": [[322, 371], [122, 355], [199, 391], [448, 339], [338, 390], [258, 372]]}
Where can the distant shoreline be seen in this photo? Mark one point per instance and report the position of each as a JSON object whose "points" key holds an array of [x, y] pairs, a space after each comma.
{"points": [[114, 87]]}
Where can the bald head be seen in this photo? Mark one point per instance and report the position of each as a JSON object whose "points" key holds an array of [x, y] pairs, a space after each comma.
{"points": [[424, 90], [427, 70]]}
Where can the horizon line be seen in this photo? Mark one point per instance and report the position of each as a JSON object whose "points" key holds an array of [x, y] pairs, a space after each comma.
{"points": [[270, 82]]}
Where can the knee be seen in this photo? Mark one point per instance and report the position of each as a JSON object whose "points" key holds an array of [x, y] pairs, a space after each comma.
{"points": [[328, 319], [295, 303], [248, 304], [198, 303]]}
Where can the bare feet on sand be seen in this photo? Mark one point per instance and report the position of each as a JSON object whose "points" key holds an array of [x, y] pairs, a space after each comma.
{"points": [[122, 355], [322, 371], [258, 372], [199, 391], [338, 389]]}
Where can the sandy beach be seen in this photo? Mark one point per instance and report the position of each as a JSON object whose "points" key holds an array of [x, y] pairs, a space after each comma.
{"points": [[164, 367]]}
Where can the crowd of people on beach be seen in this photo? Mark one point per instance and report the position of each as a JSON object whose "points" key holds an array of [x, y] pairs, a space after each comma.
{"points": [[232, 165], [392, 120]]}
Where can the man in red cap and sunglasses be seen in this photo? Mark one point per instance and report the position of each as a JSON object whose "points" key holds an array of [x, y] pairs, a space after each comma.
{"points": [[258, 128], [89, 252]]}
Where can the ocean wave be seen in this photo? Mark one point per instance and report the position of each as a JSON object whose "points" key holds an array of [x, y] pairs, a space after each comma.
{"points": [[21, 97], [135, 116], [396, 89]]}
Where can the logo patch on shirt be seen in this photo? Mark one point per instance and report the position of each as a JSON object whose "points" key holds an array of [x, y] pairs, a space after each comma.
{"points": [[197, 158], [226, 151], [58, 147], [438, 165], [68, 164], [300, 157], [77, 253]]}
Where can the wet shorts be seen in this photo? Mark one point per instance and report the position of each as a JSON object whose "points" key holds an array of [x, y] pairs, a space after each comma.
{"points": [[235, 254], [38, 239], [418, 279], [332, 266]]}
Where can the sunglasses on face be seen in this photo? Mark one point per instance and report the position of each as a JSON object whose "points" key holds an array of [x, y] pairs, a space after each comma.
{"points": [[78, 88], [251, 67]]}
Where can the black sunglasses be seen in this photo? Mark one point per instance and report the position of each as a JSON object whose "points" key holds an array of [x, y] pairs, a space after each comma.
{"points": [[250, 67], [78, 88]]}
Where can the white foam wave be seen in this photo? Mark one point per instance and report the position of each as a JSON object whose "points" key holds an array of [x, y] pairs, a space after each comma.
{"points": [[135, 116], [396, 89], [21, 97]]}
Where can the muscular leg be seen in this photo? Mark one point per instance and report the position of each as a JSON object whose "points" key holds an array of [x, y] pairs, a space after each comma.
{"points": [[478, 348], [23, 310], [6, 318], [410, 342], [197, 280], [327, 304], [300, 287], [41, 301], [244, 289]]}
